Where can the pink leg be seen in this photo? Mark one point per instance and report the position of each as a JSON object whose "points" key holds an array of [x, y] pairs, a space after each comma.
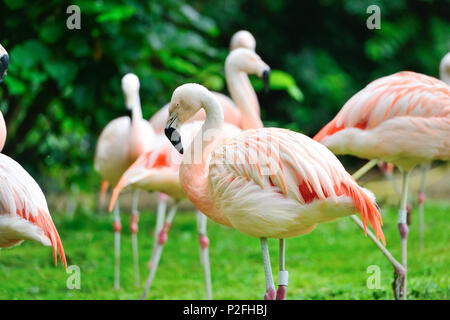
{"points": [[421, 201], [160, 216], [156, 255], [204, 255], [134, 239], [117, 226], [282, 274], [270, 287]]}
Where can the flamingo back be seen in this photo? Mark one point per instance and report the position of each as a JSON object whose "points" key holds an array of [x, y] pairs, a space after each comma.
{"points": [[285, 165], [401, 94]]}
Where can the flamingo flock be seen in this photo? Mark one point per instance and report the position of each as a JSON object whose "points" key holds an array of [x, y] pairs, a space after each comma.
{"points": [[264, 182]]}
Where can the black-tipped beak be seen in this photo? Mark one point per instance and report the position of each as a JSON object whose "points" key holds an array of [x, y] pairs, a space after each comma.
{"points": [[174, 136], [265, 78], [4, 61]]}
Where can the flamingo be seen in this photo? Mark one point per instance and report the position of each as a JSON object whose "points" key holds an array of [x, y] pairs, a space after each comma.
{"points": [[154, 172], [120, 143], [387, 168], [24, 213], [444, 73], [241, 39], [266, 182], [402, 118]]}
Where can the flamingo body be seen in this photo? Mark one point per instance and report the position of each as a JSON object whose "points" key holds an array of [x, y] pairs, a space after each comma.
{"points": [[403, 118], [275, 183], [119, 145], [24, 214]]}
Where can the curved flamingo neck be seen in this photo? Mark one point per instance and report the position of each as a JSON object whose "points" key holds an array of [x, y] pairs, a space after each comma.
{"points": [[444, 69], [136, 110], [194, 169], [445, 75], [244, 96], [2, 132], [210, 134], [136, 141]]}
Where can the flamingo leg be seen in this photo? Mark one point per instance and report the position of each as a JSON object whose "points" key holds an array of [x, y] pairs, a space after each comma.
{"points": [[160, 216], [156, 254], [134, 239], [400, 284], [365, 168], [397, 265], [392, 180], [282, 273], [420, 201], [270, 287], [117, 229], [204, 254]]}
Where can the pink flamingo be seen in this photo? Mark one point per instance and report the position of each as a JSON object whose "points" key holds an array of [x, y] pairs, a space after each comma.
{"points": [[387, 168], [404, 119], [154, 171], [241, 39], [24, 213], [157, 170], [120, 143], [266, 183]]}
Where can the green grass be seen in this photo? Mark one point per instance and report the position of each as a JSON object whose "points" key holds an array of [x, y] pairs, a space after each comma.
{"points": [[329, 263]]}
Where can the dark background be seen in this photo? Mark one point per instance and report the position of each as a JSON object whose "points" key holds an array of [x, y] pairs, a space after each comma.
{"points": [[63, 86]]}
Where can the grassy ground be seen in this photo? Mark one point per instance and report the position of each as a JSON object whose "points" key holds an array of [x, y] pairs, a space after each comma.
{"points": [[329, 263]]}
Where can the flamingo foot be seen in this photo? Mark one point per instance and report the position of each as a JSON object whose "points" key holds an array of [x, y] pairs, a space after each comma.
{"points": [[270, 294], [281, 293], [398, 285]]}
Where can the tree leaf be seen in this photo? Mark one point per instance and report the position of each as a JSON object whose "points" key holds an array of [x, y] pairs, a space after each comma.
{"points": [[118, 13]]}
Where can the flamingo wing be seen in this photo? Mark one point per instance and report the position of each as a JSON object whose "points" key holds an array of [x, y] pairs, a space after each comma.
{"points": [[293, 166], [24, 213], [401, 94]]}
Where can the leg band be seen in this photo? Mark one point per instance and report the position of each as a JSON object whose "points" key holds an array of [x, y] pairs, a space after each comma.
{"points": [[134, 223], [283, 278], [117, 226], [204, 241], [402, 215]]}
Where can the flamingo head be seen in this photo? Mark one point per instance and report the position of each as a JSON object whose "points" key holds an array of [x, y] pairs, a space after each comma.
{"points": [[243, 39], [185, 103], [247, 61], [130, 88]]}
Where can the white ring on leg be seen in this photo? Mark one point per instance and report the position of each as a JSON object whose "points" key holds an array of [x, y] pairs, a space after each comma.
{"points": [[283, 278], [402, 213]]}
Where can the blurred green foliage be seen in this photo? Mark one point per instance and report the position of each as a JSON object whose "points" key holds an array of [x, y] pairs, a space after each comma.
{"points": [[63, 86]]}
